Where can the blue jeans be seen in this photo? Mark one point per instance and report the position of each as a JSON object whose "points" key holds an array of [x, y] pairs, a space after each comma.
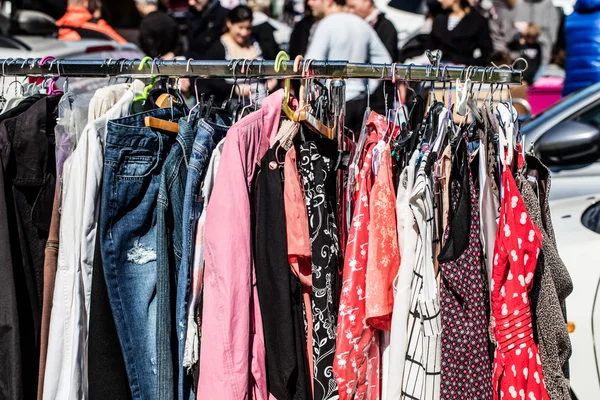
{"points": [[207, 136], [134, 156], [173, 179]]}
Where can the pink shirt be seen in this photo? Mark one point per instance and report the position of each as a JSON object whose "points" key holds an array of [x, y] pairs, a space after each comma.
{"points": [[232, 355]]}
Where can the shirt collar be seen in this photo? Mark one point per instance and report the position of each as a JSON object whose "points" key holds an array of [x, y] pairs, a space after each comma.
{"points": [[373, 17]]}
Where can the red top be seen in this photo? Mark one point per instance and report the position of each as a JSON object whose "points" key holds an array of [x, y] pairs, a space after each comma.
{"points": [[384, 253], [517, 364], [356, 365]]}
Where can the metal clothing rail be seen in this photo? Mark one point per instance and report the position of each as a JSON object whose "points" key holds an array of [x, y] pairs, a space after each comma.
{"points": [[255, 68]]}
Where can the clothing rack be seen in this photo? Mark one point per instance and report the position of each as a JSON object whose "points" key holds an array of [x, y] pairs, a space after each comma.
{"points": [[242, 69]]}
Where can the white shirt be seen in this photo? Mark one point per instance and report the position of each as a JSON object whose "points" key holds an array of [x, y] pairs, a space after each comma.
{"points": [[345, 36], [407, 236], [66, 366], [422, 367]]}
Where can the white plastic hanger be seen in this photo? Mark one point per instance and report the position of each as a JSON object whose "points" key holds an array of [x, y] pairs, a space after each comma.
{"points": [[463, 90], [507, 135]]}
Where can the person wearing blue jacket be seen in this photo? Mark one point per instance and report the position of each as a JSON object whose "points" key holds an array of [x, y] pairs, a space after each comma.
{"points": [[582, 31]]}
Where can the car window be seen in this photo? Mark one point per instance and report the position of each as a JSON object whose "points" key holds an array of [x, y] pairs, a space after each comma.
{"points": [[591, 218], [590, 116]]}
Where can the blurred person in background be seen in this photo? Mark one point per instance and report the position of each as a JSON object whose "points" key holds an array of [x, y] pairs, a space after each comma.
{"points": [[528, 48], [461, 33], [159, 33], [582, 32], [543, 14], [205, 21], [388, 35], [262, 29], [340, 35], [97, 9], [78, 15], [299, 41], [413, 51], [384, 27], [499, 14], [237, 43], [556, 68]]}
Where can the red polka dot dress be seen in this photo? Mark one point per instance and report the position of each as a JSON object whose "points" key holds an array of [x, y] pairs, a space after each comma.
{"points": [[517, 365]]}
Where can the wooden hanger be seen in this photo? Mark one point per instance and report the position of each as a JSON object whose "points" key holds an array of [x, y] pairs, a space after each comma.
{"points": [[310, 120], [302, 115], [164, 100], [161, 124]]}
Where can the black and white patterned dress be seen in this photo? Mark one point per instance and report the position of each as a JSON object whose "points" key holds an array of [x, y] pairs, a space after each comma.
{"points": [[319, 180]]}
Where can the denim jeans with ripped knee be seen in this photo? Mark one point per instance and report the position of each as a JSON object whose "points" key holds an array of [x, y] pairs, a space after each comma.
{"points": [[134, 156]]}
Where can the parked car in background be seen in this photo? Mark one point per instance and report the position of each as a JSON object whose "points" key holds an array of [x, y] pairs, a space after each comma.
{"points": [[33, 35], [566, 137], [577, 230]]}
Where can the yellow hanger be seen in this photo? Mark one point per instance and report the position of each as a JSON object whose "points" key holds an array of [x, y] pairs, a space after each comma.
{"points": [[280, 63], [144, 95]]}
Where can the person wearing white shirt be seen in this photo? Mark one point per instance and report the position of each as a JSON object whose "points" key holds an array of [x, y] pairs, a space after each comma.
{"points": [[340, 35]]}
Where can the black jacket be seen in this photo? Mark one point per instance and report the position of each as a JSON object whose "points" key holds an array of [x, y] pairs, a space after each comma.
{"points": [[532, 53], [219, 87], [299, 42], [459, 44], [264, 33], [204, 29], [159, 34], [388, 35], [27, 184]]}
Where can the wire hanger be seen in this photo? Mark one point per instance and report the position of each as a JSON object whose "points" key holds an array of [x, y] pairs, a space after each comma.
{"points": [[250, 103], [444, 117], [3, 100], [199, 102]]}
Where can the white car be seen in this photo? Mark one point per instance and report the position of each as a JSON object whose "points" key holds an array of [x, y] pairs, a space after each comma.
{"points": [[566, 137], [578, 245]]}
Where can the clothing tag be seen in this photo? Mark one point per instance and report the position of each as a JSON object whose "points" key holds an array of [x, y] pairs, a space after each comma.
{"points": [[534, 184], [343, 160]]}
